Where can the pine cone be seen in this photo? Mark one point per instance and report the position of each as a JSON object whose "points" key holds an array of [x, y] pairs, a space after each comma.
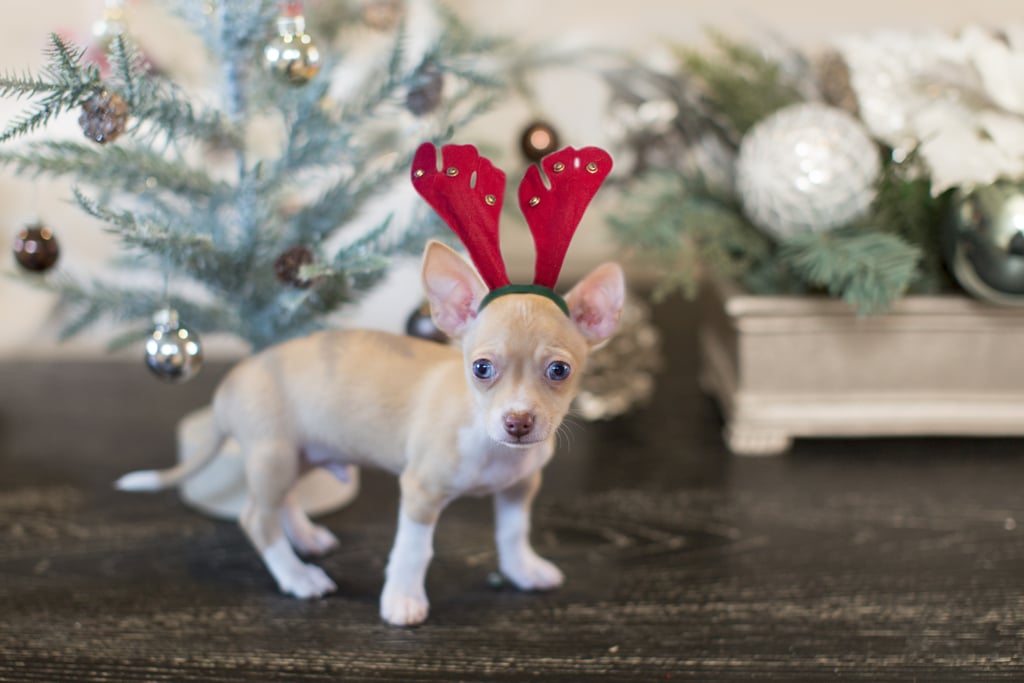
{"points": [[834, 77], [104, 117], [288, 265]]}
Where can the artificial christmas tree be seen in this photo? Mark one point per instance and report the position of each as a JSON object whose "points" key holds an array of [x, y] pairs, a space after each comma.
{"points": [[236, 230]]}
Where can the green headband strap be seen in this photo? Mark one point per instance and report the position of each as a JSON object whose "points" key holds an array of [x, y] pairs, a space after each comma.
{"points": [[539, 290]]}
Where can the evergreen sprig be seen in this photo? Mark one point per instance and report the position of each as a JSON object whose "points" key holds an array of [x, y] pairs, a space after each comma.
{"points": [[189, 252], [867, 269], [741, 82], [363, 260], [905, 206], [64, 85], [88, 300], [686, 227], [128, 167], [161, 114]]}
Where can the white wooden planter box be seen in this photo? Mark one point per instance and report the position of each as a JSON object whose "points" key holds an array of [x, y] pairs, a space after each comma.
{"points": [[783, 367]]}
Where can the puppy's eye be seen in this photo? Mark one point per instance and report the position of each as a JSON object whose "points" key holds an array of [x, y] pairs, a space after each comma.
{"points": [[558, 370], [483, 369]]}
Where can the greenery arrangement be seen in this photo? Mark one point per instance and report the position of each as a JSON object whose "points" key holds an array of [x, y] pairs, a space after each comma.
{"points": [[687, 217]]}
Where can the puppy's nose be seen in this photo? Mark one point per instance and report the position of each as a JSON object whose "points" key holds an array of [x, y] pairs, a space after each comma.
{"points": [[518, 424]]}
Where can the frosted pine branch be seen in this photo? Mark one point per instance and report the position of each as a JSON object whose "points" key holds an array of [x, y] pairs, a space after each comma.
{"points": [[187, 251], [342, 201], [92, 301], [130, 168], [64, 86]]}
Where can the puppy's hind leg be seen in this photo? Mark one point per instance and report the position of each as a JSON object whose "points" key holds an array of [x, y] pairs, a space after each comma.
{"points": [[305, 536], [271, 469]]}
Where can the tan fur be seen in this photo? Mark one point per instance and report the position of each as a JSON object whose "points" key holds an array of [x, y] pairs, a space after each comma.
{"points": [[416, 409]]}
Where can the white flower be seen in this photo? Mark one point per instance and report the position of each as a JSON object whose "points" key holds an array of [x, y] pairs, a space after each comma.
{"points": [[999, 65], [959, 100]]}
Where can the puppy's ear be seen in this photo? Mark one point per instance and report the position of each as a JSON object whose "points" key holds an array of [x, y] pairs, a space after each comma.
{"points": [[595, 303], [453, 289]]}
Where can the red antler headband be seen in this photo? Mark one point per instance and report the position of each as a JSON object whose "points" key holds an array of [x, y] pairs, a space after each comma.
{"points": [[467, 192]]}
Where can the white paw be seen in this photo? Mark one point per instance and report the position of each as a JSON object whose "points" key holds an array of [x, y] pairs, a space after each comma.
{"points": [[531, 572], [400, 608], [316, 540], [306, 581]]}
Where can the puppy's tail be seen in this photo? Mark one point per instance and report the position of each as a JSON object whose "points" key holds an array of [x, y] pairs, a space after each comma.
{"points": [[199, 442]]}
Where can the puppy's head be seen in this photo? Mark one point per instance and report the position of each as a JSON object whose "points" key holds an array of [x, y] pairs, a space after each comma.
{"points": [[523, 356]]}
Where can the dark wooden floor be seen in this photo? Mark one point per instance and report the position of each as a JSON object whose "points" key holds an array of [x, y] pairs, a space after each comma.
{"points": [[867, 560]]}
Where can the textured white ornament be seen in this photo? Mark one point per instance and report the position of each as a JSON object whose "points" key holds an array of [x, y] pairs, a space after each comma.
{"points": [[806, 168]]}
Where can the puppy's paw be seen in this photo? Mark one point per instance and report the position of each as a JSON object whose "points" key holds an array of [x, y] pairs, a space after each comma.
{"points": [[531, 572], [400, 608], [316, 540], [306, 581]]}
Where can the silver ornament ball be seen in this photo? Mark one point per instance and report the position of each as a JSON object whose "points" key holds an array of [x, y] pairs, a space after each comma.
{"points": [[173, 351], [806, 168], [983, 241]]}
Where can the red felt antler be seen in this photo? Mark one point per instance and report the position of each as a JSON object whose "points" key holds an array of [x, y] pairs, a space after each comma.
{"points": [[554, 212], [467, 193]]}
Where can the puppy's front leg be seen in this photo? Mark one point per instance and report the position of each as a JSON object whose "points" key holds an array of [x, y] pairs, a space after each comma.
{"points": [[516, 557], [403, 601]]}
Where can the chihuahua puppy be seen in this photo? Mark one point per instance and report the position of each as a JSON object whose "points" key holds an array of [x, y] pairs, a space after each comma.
{"points": [[476, 419]]}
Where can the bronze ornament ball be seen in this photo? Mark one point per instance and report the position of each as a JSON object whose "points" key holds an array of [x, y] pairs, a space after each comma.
{"points": [[538, 140], [426, 89], [36, 248], [292, 56], [109, 27]]}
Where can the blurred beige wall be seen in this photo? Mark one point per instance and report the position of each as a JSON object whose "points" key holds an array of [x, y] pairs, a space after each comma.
{"points": [[572, 102]]}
